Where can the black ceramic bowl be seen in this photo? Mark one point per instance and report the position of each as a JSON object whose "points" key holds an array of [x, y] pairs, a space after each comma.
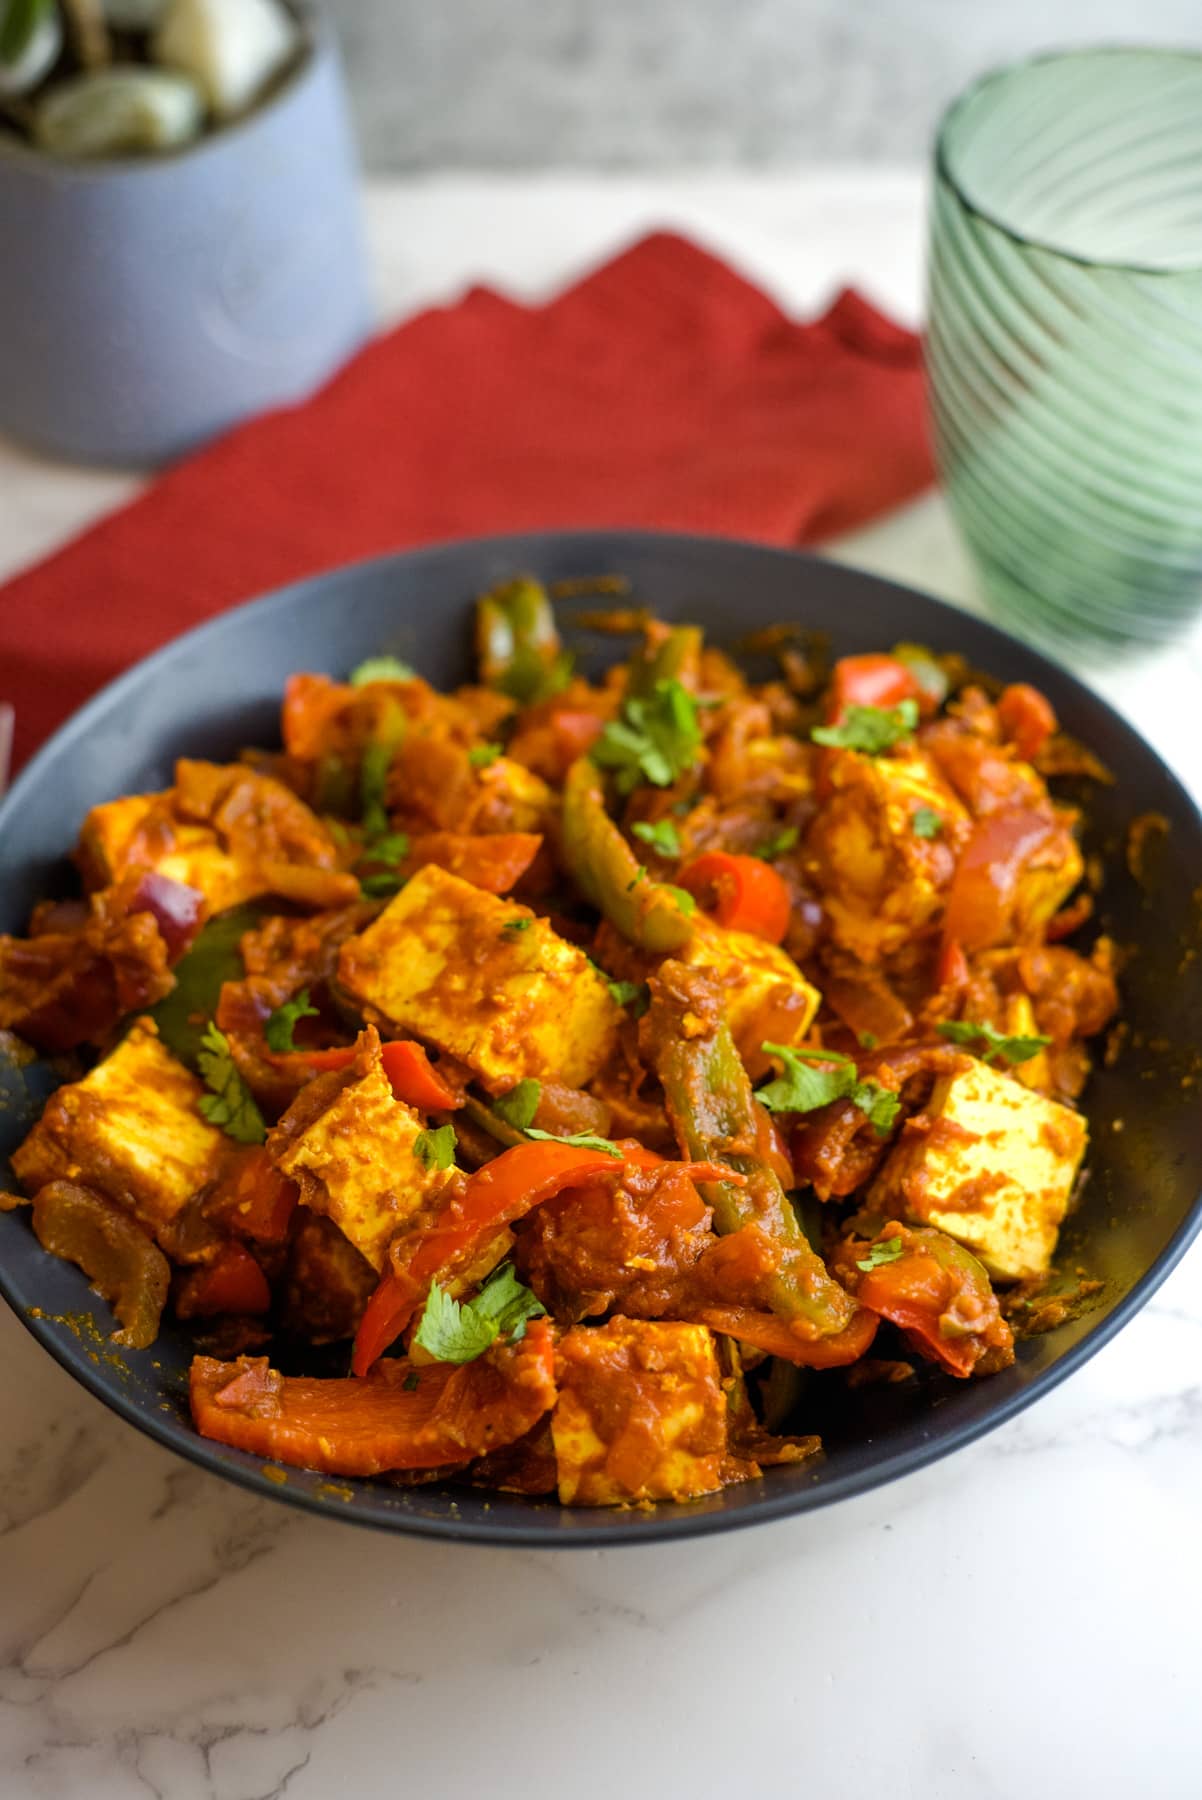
{"points": [[219, 688]]}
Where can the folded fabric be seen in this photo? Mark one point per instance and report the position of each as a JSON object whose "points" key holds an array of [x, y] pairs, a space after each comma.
{"points": [[663, 390]]}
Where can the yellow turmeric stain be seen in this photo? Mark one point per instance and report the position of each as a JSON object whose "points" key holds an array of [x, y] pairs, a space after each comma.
{"points": [[330, 1490]]}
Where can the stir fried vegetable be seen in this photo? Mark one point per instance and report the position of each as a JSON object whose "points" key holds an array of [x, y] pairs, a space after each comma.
{"points": [[505, 1038]]}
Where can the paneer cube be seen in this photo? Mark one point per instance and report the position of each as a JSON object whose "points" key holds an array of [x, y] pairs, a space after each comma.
{"points": [[641, 1414], [990, 1163], [766, 998], [131, 1129], [117, 836], [484, 980], [229, 831], [881, 880], [355, 1161]]}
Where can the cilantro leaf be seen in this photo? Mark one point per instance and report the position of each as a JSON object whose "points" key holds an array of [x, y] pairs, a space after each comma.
{"points": [[810, 1079], [814, 1078], [381, 668], [373, 786], [282, 1023], [868, 1040], [630, 993], [1016, 1049], [682, 897], [517, 924], [580, 1140], [481, 755], [879, 1254], [435, 1148], [230, 1103], [926, 822], [880, 1105], [663, 836], [452, 1333], [640, 874], [382, 857], [870, 728], [456, 1331], [520, 1104], [778, 844], [655, 740]]}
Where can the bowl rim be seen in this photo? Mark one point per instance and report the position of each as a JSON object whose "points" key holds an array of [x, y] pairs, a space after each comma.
{"points": [[666, 1524], [943, 156]]}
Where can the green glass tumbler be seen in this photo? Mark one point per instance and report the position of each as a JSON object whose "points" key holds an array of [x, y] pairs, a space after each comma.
{"points": [[1064, 349]]}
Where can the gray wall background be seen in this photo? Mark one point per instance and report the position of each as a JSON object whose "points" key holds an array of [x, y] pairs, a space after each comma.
{"points": [[521, 84]]}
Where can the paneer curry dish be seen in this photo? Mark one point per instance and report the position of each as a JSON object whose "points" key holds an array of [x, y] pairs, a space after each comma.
{"points": [[547, 1085]]}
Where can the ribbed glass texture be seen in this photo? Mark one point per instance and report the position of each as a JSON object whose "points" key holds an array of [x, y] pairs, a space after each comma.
{"points": [[1065, 339]]}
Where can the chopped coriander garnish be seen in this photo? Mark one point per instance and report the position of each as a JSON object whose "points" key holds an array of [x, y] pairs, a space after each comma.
{"points": [[434, 1148], [683, 899], [1016, 1049], [520, 1104], [926, 822], [381, 668], [580, 1140], [517, 924], [867, 1040], [230, 1105], [630, 993], [481, 755], [778, 844], [663, 836], [640, 874], [879, 1254], [283, 1021], [655, 740], [880, 1105], [454, 1331], [870, 728], [383, 855], [814, 1078]]}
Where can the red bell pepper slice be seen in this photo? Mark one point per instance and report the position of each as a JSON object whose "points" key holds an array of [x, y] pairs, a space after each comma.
{"points": [[412, 1075], [743, 892], [493, 862], [503, 1190], [880, 681], [951, 970], [1027, 718], [233, 1284], [449, 1415], [939, 1295], [575, 733], [981, 897]]}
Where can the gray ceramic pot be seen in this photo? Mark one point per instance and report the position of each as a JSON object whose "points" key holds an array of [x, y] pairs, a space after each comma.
{"points": [[147, 304]]}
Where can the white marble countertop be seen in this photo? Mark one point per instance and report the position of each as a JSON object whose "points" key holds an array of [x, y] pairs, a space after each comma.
{"points": [[1020, 1619]]}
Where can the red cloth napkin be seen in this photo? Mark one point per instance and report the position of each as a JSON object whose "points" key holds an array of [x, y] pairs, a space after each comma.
{"points": [[662, 390]]}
